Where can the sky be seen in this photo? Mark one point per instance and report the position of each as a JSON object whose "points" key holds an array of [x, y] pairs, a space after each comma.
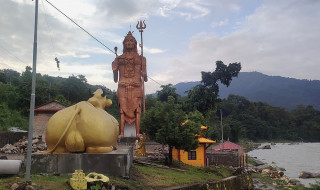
{"points": [[181, 39]]}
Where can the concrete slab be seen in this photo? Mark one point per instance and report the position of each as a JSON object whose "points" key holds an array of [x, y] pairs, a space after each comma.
{"points": [[127, 141], [115, 163]]}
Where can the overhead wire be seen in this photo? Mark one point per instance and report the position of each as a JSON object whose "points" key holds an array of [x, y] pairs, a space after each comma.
{"points": [[90, 34], [155, 81], [45, 16], [50, 34], [8, 52], [80, 27]]}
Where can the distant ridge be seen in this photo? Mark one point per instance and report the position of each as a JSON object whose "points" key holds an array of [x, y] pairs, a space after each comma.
{"points": [[274, 90]]}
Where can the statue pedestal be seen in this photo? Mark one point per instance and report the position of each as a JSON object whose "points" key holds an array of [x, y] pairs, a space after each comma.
{"points": [[115, 163], [129, 130]]}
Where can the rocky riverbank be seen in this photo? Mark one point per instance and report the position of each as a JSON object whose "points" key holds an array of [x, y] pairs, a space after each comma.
{"points": [[270, 176], [294, 157]]}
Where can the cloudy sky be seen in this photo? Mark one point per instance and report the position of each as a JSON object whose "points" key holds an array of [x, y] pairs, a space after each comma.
{"points": [[182, 38]]}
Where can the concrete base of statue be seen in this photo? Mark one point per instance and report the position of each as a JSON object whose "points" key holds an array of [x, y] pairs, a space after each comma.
{"points": [[115, 163], [129, 130]]}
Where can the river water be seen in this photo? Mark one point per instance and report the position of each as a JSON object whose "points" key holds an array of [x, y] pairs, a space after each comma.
{"points": [[295, 158]]}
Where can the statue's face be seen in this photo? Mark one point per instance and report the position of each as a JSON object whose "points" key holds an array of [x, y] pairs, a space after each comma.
{"points": [[130, 43]]}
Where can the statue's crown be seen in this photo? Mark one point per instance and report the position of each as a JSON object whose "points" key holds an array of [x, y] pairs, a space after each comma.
{"points": [[129, 33]]}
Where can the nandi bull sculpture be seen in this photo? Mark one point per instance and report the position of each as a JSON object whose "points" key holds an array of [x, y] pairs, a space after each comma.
{"points": [[83, 127]]}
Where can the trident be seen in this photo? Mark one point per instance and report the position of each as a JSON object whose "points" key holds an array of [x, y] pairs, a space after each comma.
{"points": [[140, 26]]}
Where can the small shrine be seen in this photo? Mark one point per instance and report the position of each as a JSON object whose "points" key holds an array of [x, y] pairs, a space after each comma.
{"points": [[197, 157], [42, 115]]}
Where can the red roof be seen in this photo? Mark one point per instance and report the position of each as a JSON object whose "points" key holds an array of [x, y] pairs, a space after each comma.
{"points": [[228, 146], [52, 106]]}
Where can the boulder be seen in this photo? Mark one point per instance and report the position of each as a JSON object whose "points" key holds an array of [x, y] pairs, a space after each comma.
{"points": [[270, 167], [306, 175], [282, 169], [294, 182], [266, 146], [14, 186], [258, 163]]}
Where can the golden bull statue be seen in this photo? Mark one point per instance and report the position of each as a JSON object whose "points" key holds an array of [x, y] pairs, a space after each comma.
{"points": [[83, 127]]}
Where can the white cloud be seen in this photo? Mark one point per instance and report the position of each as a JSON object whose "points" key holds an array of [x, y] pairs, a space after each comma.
{"points": [[220, 23], [116, 13], [153, 50], [279, 39], [80, 11], [194, 9]]}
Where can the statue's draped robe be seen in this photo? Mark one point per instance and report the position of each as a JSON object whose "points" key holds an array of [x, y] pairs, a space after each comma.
{"points": [[130, 87]]}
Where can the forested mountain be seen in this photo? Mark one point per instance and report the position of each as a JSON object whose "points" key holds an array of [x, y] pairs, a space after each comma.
{"points": [[242, 118], [278, 91]]}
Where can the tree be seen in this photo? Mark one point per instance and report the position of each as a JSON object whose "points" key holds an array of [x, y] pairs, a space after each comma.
{"points": [[166, 91], [150, 101], [202, 99], [163, 123], [307, 120], [83, 79], [25, 89], [9, 76], [75, 89], [205, 96], [223, 73], [11, 118], [42, 89], [60, 98], [9, 95]]}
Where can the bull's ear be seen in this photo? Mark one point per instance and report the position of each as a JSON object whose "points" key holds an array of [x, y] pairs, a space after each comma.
{"points": [[103, 93]]}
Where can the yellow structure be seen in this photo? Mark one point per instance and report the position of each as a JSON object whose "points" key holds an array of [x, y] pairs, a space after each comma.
{"points": [[83, 127], [197, 157], [78, 180], [140, 150], [95, 177]]}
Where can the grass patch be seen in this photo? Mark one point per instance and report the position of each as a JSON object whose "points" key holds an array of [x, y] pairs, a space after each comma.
{"points": [[315, 186], [262, 178], [40, 181], [158, 177], [251, 161], [141, 177], [124, 183]]}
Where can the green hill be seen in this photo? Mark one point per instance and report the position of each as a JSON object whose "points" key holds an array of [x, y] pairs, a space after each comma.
{"points": [[274, 90]]}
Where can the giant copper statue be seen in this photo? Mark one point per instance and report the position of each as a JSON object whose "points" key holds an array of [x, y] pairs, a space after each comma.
{"points": [[129, 70]]}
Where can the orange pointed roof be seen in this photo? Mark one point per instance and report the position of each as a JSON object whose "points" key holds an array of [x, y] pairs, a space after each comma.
{"points": [[204, 140]]}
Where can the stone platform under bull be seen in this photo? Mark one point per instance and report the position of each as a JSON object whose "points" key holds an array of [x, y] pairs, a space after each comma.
{"points": [[115, 163]]}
